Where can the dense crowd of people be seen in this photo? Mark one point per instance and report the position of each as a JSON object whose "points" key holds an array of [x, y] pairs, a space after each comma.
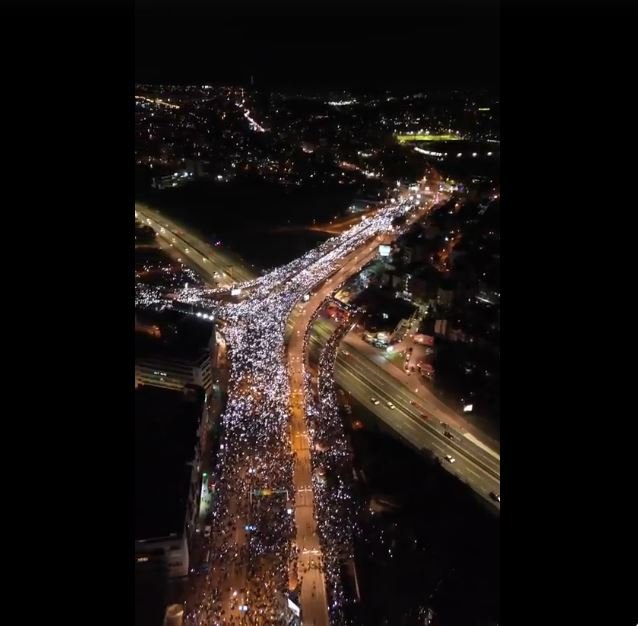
{"points": [[332, 464], [252, 522], [160, 284]]}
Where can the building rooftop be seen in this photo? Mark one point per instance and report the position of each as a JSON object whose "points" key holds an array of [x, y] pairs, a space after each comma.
{"points": [[172, 334], [385, 311], [151, 593], [166, 433]]}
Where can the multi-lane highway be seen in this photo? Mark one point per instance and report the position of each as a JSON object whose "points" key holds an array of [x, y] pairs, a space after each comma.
{"points": [[216, 265], [420, 420], [364, 373], [310, 571], [266, 392]]}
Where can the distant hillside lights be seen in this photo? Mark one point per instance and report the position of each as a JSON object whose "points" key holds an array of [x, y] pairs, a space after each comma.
{"points": [[430, 152], [157, 102], [342, 103], [427, 136]]}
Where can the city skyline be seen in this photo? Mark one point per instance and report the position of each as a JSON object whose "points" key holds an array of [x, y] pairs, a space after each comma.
{"points": [[325, 267]]}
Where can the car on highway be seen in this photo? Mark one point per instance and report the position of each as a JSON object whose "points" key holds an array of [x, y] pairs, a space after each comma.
{"points": [[424, 416], [495, 496], [448, 434], [391, 405], [345, 353], [449, 458], [374, 401]]}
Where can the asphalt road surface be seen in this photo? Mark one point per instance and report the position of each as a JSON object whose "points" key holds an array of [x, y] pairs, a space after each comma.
{"points": [[416, 419], [216, 265], [314, 601]]}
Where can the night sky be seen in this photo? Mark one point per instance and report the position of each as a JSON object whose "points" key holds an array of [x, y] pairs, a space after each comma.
{"points": [[453, 47]]}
